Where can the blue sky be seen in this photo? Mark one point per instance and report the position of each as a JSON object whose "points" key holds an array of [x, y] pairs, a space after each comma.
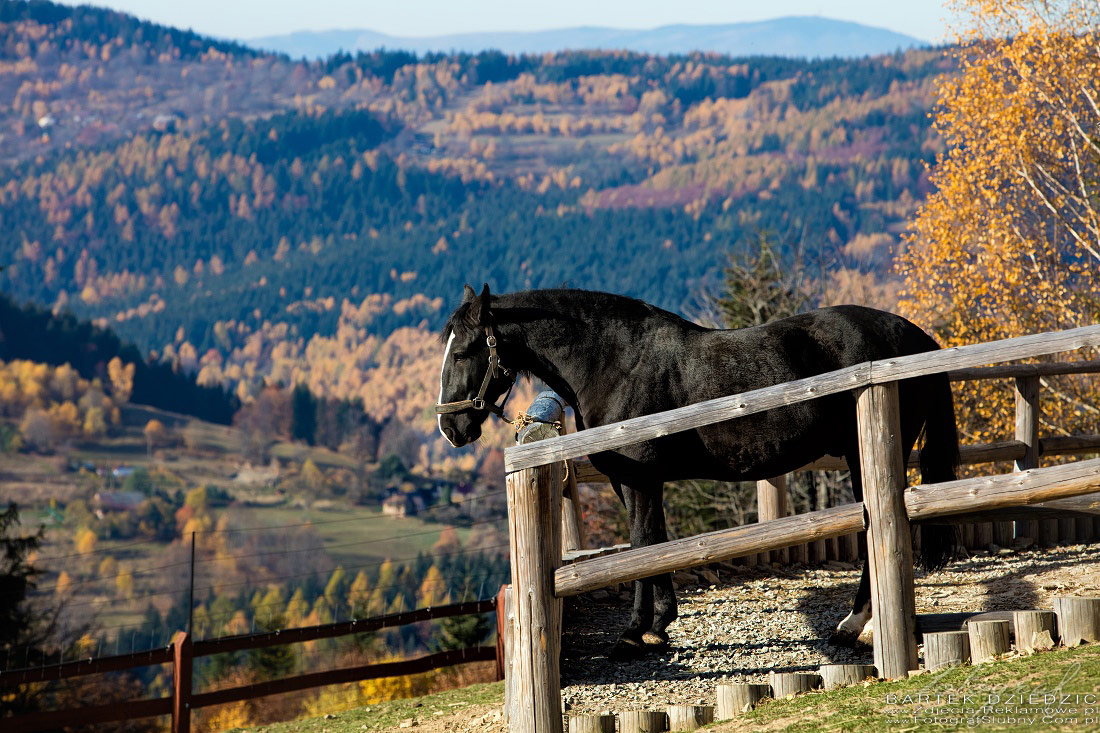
{"points": [[254, 18]]}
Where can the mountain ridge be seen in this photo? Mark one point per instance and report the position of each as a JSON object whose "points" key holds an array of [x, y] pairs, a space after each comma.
{"points": [[789, 36]]}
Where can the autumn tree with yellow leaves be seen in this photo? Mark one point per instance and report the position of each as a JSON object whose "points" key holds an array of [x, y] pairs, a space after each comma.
{"points": [[1009, 243]]}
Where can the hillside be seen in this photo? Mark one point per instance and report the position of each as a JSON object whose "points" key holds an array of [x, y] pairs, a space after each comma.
{"points": [[796, 37], [257, 220]]}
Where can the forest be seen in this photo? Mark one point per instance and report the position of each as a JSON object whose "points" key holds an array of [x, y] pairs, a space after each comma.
{"points": [[224, 272], [387, 174]]}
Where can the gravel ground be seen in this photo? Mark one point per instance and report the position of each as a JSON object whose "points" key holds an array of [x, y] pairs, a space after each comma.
{"points": [[736, 623]]}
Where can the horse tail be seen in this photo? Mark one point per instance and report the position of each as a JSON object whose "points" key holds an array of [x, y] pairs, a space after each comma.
{"points": [[939, 459]]}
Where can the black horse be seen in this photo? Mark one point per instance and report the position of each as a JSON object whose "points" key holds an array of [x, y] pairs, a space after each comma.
{"points": [[613, 358]]}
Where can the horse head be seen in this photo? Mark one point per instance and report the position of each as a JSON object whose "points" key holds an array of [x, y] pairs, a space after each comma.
{"points": [[471, 378]]}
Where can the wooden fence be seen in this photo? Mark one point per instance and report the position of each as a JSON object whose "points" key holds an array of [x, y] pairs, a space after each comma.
{"points": [[1064, 520], [183, 650], [534, 476]]}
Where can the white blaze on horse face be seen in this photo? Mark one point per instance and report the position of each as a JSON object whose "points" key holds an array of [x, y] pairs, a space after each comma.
{"points": [[442, 369]]}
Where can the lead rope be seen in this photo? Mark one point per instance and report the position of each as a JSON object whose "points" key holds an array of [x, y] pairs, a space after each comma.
{"points": [[522, 420]]}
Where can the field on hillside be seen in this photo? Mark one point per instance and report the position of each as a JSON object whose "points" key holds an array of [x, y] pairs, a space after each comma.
{"points": [[256, 527]]}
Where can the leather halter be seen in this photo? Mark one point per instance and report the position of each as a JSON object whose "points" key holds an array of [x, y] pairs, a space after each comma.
{"points": [[492, 371]]}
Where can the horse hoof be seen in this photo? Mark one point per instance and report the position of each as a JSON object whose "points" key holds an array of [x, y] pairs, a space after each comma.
{"points": [[655, 639], [626, 648]]}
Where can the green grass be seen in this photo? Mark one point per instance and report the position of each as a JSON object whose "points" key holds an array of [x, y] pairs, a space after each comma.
{"points": [[875, 707], [365, 533], [1020, 684], [387, 715]]}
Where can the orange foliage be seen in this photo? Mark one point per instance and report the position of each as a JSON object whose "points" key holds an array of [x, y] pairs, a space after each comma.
{"points": [[1009, 244]]}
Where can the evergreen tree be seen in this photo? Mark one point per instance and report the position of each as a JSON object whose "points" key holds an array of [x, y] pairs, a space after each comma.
{"points": [[303, 425], [21, 629]]}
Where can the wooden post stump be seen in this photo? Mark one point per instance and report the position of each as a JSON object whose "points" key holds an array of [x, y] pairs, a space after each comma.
{"points": [[785, 684], [1085, 534], [946, 649], [983, 535], [817, 552], [739, 697], [534, 529], [1048, 532], [591, 724], [1030, 629], [800, 554], [889, 547], [849, 548], [572, 524], [987, 640], [1003, 534], [1067, 530], [689, 717], [1027, 530], [771, 503], [1078, 619], [842, 675], [643, 721], [1027, 432]]}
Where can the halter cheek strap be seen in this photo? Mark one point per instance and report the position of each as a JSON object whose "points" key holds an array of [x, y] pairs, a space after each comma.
{"points": [[491, 372]]}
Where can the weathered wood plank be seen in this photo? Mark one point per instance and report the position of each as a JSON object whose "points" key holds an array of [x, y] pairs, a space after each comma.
{"points": [[1035, 486], [582, 555], [993, 352], [1026, 389], [1009, 371], [771, 503], [1001, 450], [889, 544], [649, 427], [534, 529], [969, 455], [657, 425], [1039, 487], [667, 557]]}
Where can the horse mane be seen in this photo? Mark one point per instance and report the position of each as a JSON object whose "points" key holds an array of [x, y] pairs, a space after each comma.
{"points": [[550, 301]]}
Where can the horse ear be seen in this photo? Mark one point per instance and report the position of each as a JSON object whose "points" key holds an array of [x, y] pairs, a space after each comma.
{"points": [[468, 294], [483, 303]]}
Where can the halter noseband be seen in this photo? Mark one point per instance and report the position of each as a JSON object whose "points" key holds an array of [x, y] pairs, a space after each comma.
{"points": [[491, 372]]}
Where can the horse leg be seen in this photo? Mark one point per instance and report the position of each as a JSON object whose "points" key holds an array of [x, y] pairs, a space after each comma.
{"points": [[664, 597], [654, 601], [848, 630]]}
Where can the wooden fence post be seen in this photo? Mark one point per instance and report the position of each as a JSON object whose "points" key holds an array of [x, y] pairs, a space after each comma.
{"points": [[534, 529], [572, 523], [1027, 432], [889, 547], [502, 626], [181, 683], [771, 503]]}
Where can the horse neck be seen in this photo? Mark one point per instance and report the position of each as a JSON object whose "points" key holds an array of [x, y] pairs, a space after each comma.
{"points": [[571, 352]]}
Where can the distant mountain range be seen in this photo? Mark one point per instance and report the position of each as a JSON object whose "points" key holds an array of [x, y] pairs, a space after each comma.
{"points": [[796, 36]]}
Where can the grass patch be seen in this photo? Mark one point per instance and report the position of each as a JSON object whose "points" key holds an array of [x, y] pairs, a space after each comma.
{"points": [[1020, 684], [386, 715], [1009, 695]]}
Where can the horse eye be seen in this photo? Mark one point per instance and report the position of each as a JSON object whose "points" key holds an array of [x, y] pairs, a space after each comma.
{"points": [[461, 357]]}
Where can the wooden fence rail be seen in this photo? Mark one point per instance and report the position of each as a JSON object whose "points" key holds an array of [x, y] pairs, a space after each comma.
{"points": [[533, 493], [182, 651], [700, 414]]}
